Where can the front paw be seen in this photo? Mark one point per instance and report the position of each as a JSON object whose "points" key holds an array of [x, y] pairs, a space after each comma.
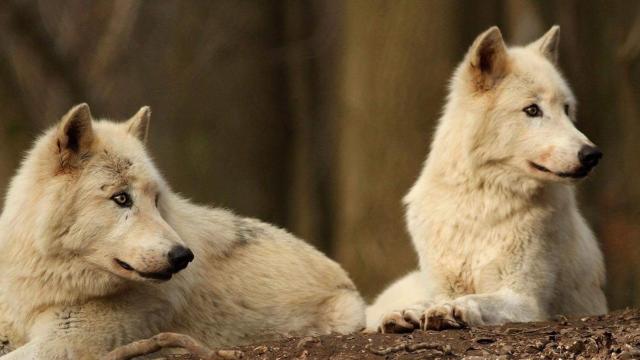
{"points": [[450, 315], [398, 322]]}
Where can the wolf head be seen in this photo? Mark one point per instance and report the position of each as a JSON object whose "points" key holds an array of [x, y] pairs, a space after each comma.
{"points": [[95, 199], [511, 109]]}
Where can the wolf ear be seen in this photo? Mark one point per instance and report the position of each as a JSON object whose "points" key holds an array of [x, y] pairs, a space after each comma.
{"points": [[488, 58], [548, 44], [138, 125], [75, 132]]}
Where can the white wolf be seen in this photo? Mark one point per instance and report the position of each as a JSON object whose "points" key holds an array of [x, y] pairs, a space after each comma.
{"points": [[493, 215], [91, 235]]}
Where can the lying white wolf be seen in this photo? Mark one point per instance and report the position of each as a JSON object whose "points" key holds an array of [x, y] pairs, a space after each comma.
{"points": [[96, 250], [493, 215]]}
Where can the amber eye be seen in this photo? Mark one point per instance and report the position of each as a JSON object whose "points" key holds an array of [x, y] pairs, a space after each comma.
{"points": [[122, 199], [566, 109], [533, 110]]}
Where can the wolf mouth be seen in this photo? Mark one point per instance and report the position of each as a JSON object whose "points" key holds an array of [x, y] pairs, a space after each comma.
{"points": [[578, 174], [163, 275]]}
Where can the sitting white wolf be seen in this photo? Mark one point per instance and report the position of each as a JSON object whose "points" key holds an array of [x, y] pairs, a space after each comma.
{"points": [[96, 250], [493, 215]]}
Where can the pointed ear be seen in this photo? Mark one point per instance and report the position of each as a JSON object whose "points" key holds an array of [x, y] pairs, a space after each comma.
{"points": [[138, 125], [548, 44], [75, 132], [488, 59]]}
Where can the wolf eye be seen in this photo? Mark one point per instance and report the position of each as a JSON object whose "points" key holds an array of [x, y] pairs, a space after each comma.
{"points": [[566, 109], [533, 111], [122, 199]]}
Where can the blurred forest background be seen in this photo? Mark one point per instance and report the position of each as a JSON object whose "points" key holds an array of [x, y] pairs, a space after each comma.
{"points": [[317, 115]]}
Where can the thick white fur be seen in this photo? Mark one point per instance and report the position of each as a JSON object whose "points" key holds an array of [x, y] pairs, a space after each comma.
{"points": [[498, 240], [63, 296]]}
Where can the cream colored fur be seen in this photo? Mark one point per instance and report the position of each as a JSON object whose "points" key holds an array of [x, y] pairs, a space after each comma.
{"points": [[63, 295], [498, 239]]}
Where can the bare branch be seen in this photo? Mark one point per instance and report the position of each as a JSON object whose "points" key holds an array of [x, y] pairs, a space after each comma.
{"points": [[170, 340]]}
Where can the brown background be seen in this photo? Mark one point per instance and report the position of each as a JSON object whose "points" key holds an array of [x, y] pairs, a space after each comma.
{"points": [[316, 115]]}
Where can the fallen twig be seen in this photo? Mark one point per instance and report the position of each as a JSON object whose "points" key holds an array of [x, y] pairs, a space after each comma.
{"points": [[410, 348], [170, 340], [516, 331]]}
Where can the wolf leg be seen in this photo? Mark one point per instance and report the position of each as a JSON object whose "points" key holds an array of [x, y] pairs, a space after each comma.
{"points": [[88, 332], [399, 307], [482, 309]]}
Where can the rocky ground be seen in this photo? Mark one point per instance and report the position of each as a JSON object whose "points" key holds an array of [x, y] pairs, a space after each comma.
{"points": [[614, 336]]}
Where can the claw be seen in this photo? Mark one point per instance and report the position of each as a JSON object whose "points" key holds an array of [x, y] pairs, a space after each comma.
{"points": [[412, 319], [397, 323], [441, 318]]}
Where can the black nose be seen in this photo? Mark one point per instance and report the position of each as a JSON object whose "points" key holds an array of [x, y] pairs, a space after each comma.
{"points": [[179, 258], [589, 156]]}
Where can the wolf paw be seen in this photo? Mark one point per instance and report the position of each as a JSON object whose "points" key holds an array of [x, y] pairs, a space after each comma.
{"points": [[440, 317], [403, 321], [453, 315]]}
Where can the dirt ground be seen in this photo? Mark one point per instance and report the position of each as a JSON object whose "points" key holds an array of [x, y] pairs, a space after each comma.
{"points": [[614, 336]]}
